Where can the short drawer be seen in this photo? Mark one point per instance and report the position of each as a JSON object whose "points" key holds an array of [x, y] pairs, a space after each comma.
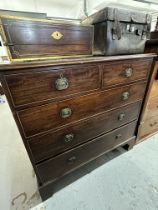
{"points": [[148, 127], [69, 161], [123, 72], [151, 109], [154, 90], [54, 115], [52, 83], [53, 143]]}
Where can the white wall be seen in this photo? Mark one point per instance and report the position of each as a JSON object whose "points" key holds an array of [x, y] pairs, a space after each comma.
{"points": [[55, 8], [94, 6], [71, 8], [74, 8]]}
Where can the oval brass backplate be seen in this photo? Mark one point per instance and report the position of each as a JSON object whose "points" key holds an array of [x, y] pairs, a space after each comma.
{"points": [[57, 35]]}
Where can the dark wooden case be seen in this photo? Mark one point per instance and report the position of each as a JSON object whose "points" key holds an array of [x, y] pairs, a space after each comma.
{"points": [[34, 38], [118, 31]]}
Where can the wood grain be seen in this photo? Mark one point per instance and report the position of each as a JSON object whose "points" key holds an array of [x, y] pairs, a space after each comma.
{"points": [[151, 109], [148, 127], [28, 38], [43, 118], [33, 87], [69, 161], [53, 143], [114, 73], [95, 99], [19, 66]]}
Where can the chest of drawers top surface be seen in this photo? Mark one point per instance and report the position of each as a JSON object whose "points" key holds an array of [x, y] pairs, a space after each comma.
{"points": [[60, 62], [33, 84]]}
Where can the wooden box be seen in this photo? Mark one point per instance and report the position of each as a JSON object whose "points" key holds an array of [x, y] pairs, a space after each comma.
{"points": [[34, 38]]}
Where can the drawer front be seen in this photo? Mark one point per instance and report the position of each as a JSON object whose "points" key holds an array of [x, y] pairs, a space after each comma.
{"points": [[154, 90], [150, 126], [52, 83], [69, 161], [50, 116], [151, 109], [122, 72], [53, 143]]}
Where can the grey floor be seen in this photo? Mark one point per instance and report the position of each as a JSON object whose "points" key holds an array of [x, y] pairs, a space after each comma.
{"points": [[127, 182]]}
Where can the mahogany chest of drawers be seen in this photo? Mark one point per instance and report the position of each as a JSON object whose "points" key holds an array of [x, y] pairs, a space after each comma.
{"points": [[70, 112]]}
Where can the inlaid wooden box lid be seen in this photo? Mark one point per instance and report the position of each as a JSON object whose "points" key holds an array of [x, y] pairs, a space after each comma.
{"points": [[29, 39]]}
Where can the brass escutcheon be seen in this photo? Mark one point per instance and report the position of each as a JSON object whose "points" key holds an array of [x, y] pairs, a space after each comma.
{"points": [[69, 137], [125, 96], [121, 116], [57, 35], [128, 72], [65, 112]]}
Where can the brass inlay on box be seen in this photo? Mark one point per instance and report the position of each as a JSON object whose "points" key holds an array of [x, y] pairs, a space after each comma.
{"points": [[57, 35]]}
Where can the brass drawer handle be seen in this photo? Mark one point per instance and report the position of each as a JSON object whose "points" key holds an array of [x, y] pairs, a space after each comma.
{"points": [[118, 136], [121, 116], [62, 83], [128, 72], [69, 137], [125, 95], [65, 112], [71, 160]]}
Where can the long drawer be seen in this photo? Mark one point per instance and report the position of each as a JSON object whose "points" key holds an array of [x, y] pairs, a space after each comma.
{"points": [[53, 115], [53, 143], [69, 161], [122, 72], [52, 83]]}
